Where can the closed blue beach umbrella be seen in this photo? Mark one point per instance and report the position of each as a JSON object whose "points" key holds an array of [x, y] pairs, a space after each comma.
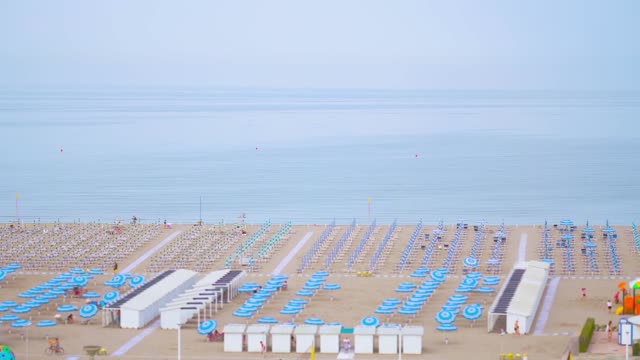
{"points": [[96, 272], [485, 290], [76, 271]]}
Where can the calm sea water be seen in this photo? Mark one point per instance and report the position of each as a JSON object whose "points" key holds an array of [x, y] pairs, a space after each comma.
{"points": [[312, 156]]}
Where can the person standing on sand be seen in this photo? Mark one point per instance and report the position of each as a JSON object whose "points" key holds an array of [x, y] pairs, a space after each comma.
{"points": [[609, 331], [609, 306], [263, 349], [516, 328], [115, 268], [584, 293]]}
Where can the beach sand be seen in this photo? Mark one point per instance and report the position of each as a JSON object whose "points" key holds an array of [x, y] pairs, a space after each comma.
{"points": [[358, 298]]}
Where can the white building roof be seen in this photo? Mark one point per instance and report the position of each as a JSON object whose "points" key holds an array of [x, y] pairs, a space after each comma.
{"points": [[329, 329], [413, 330], [282, 329], [532, 284], [388, 330], [306, 330], [364, 330], [258, 329], [234, 328], [158, 290], [211, 278]]}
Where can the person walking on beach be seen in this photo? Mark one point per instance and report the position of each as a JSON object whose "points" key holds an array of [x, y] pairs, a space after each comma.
{"points": [[115, 268], [616, 297], [584, 293], [516, 328], [610, 331], [263, 348], [346, 344], [609, 306]]}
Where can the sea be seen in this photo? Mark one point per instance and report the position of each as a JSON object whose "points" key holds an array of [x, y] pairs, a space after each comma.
{"points": [[314, 156]]}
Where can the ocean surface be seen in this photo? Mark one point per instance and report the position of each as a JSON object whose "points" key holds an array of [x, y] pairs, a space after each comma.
{"points": [[311, 156]]}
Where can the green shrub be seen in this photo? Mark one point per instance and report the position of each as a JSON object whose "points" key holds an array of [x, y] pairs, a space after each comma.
{"points": [[635, 349], [585, 335]]}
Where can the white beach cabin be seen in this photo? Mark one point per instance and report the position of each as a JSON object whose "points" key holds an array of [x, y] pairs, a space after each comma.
{"points": [[255, 334], [388, 339], [330, 338], [281, 338], [233, 337], [411, 339], [363, 339], [305, 337]]}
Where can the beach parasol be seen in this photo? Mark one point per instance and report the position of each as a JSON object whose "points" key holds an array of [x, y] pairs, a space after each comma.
{"points": [[80, 281], [470, 282], [207, 327], [470, 262], [242, 314], [136, 281], [331, 287], [304, 293], [8, 318], [76, 271], [289, 311], [9, 303], [4, 308], [110, 296], [384, 311], [437, 276], [267, 320], [446, 327], [96, 272], [46, 323], [314, 321], [20, 323], [462, 298], [88, 311], [485, 290], [445, 317], [370, 321], [21, 309], [472, 312], [91, 295], [66, 308]]}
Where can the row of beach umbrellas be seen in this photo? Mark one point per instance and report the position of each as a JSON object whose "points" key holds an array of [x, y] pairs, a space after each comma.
{"points": [[432, 244], [361, 244], [376, 256]]}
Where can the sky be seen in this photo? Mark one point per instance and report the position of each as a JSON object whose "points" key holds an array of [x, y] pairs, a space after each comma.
{"points": [[404, 44]]}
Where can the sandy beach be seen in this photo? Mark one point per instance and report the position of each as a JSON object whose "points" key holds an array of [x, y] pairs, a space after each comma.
{"points": [[207, 248]]}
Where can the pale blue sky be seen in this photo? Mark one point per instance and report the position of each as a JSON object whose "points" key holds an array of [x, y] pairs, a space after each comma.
{"points": [[542, 44]]}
